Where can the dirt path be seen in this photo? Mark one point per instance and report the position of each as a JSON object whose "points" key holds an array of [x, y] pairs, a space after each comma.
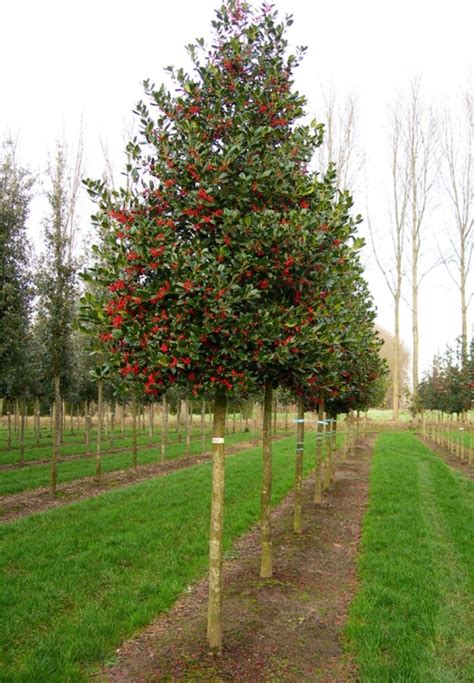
{"points": [[288, 628], [30, 502], [462, 466]]}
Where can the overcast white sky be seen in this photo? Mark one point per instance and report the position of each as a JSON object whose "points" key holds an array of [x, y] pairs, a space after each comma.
{"points": [[63, 61]]}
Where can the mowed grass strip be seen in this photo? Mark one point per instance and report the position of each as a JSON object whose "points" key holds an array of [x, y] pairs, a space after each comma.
{"points": [[75, 445], [413, 619], [35, 476], [78, 580]]}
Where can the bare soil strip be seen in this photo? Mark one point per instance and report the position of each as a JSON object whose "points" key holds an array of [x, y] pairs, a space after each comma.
{"points": [[288, 628], [37, 500], [462, 466]]}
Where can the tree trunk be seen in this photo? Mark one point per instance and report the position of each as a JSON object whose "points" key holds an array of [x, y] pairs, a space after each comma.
{"points": [[275, 414], [178, 418], [214, 619], [203, 427], [112, 426], [63, 420], [266, 492], [134, 433], [164, 427], [98, 453], [9, 421], [151, 423], [327, 452], [396, 360], [122, 421], [187, 428], [298, 504], [37, 421], [334, 446], [22, 430], [87, 434], [57, 435], [17, 417], [319, 455]]}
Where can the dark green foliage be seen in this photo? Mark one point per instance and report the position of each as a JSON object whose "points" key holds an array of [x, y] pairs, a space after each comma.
{"points": [[449, 385], [15, 277], [56, 278]]}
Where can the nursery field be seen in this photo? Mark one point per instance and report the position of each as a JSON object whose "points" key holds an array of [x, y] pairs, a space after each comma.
{"points": [[78, 581]]}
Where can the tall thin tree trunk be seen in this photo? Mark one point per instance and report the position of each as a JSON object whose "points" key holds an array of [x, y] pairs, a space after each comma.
{"points": [[203, 426], [122, 421], [396, 358], [298, 504], [214, 619], [37, 421], [164, 427], [462, 287], [87, 434], [9, 422], [17, 417], [275, 413], [319, 455], [57, 435], [22, 430], [112, 426], [178, 418], [151, 422], [134, 433], [100, 410], [187, 427], [266, 492]]}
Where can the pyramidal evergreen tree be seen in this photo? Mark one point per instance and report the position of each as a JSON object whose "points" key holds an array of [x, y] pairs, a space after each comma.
{"points": [[214, 261], [15, 275], [57, 288]]}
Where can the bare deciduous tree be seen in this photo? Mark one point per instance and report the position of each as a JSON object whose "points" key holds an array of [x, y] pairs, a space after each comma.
{"points": [[457, 177], [418, 155], [340, 143], [391, 264]]}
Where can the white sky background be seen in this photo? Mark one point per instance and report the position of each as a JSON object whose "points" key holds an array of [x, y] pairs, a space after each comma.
{"points": [[62, 61]]}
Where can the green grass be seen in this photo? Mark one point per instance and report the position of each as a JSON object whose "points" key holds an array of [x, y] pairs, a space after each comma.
{"points": [[34, 476], [459, 436], [78, 580], [386, 414], [74, 444], [413, 619]]}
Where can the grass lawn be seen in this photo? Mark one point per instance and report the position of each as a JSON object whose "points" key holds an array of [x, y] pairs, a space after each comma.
{"points": [[34, 476], [413, 619], [78, 580], [74, 444]]}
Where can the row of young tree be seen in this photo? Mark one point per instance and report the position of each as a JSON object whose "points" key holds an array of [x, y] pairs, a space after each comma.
{"points": [[430, 153], [227, 265], [39, 296], [226, 268], [448, 387]]}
